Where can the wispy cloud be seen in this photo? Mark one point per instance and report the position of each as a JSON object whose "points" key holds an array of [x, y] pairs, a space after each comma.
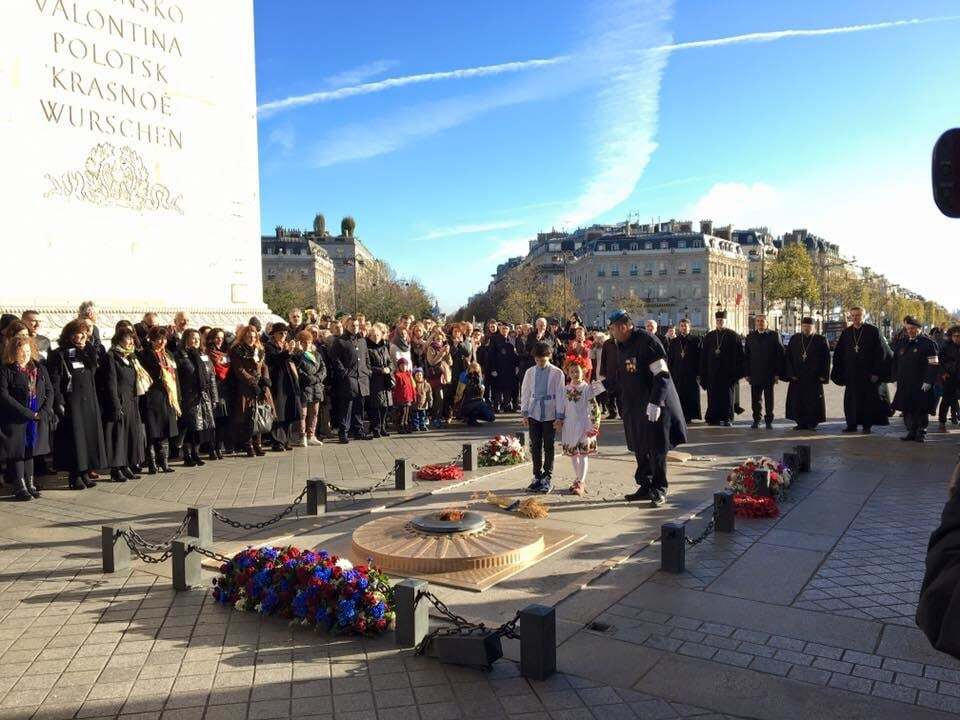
{"points": [[360, 74], [512, 247], [288, 103], [627, 106], [285, 137], [774, 35], [469, 229]]}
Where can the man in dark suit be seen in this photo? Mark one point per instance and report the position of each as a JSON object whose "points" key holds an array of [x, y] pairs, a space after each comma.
{"points": [[350, 369]]}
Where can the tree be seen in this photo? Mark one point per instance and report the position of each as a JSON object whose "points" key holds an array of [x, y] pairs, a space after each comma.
{"points": [[631, 302], [791, 277], [319, 224], [383, 296], [284, 294], [528, 293]]}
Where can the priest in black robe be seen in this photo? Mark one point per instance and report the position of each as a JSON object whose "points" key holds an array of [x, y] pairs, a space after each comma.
{"points": [[763, 363], [683, 357], [807, 369], [859, 362], [652, 416], [916, 364], [721, 367]]}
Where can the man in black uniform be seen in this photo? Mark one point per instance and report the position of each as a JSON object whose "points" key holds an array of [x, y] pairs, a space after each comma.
{"points": [[350, 367], [950, 375], [915, 363], [683, 357], [763, 356], [807, 368], [858, 366], [721, 367], [652, 416]]}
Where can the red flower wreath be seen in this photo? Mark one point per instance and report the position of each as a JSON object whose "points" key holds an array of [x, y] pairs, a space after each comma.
{"points": [[754, 506], [441, 471]]}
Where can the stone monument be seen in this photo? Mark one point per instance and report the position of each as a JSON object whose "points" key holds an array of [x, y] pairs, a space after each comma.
{"points": [[129, 175]]}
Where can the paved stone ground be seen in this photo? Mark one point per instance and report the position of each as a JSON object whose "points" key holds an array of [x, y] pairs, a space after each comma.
{"points": [[808, 615]]}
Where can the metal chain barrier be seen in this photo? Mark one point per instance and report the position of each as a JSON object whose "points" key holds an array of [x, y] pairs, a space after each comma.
{"points": [[354, 493], [260, 525], [159, 547], [461, 626], [136, 549], [706, 532], [210, 554], [456, 459]]}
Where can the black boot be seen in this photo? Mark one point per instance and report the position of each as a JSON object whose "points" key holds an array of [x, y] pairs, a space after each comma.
{"points": [[116, 475], [31, 487], [195, 456], [250, 451], [20, 490], [76, 483], [129, 473], [188, 460], [87, 479], [218, 449], [151, 461], [162, 449]]}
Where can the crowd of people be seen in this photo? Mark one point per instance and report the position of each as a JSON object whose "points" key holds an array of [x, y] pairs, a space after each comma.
{"points": [[161, 392]]}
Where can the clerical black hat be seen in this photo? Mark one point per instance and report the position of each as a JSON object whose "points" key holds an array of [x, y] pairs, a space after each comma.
{"points": [[911, 320], [619, 316], [807, 321], [721, 315]]}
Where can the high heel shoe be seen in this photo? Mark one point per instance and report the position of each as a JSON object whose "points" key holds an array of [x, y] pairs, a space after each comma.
{"points": [[76, 483], [117, 476], [129, 473], [88, 479]]}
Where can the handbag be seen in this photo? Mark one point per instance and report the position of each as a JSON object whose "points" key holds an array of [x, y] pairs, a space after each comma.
{"points": [[263, 417], [144, 381]]}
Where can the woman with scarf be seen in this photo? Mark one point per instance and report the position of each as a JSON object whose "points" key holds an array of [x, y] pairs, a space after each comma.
{"points": [[26, 409], [380, 399], [198, 396], [117, 388], [78, 446], [400, 348], [160, 404], [215, 346], [437, 365], [418, 345], [312, 372], [250, 381], [284, 386]]}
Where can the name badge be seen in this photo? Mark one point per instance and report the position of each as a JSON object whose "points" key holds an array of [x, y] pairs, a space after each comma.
{"points": [[77, 365]]}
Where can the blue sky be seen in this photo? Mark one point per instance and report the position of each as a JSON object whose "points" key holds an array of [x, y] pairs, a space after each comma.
{"points": [[453, 132]]}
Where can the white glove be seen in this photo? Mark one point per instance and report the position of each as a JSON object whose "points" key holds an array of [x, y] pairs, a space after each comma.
{"points": [[926, 387], [653, 412]]}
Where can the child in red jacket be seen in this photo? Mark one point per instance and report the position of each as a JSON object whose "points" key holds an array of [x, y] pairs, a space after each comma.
{"points": [[403, 395]]}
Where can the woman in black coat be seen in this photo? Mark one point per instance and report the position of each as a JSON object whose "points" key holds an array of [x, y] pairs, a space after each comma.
{"points": [[78, 446], [312, 372], [26, 411], [284, 385], [216, 350], [119, 404], [198, 397], [381, 382], [160, 405]]}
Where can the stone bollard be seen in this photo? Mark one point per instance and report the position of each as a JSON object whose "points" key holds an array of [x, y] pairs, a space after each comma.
{"points": [[805, 457], [792, 461], [725, 520], [762, 480], [200, 524], [673, 547], [469, 457], [402, 474], [116, 552], [186, 563], [316, 497], [413, 618], [538, 642]]}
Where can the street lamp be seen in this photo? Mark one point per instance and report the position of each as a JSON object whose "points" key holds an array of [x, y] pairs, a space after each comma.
{"points": [[762, 256], [353, 262], [564, 258]]}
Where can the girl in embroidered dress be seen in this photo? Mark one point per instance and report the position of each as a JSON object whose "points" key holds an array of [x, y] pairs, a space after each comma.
{"points": [[581, 421]]}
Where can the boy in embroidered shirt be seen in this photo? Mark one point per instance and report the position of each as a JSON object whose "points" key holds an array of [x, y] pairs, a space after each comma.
{"points": [[540, 395]]}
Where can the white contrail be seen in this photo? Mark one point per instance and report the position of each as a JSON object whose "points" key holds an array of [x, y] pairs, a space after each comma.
{"points": [[275, 106], [781, 34]]}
